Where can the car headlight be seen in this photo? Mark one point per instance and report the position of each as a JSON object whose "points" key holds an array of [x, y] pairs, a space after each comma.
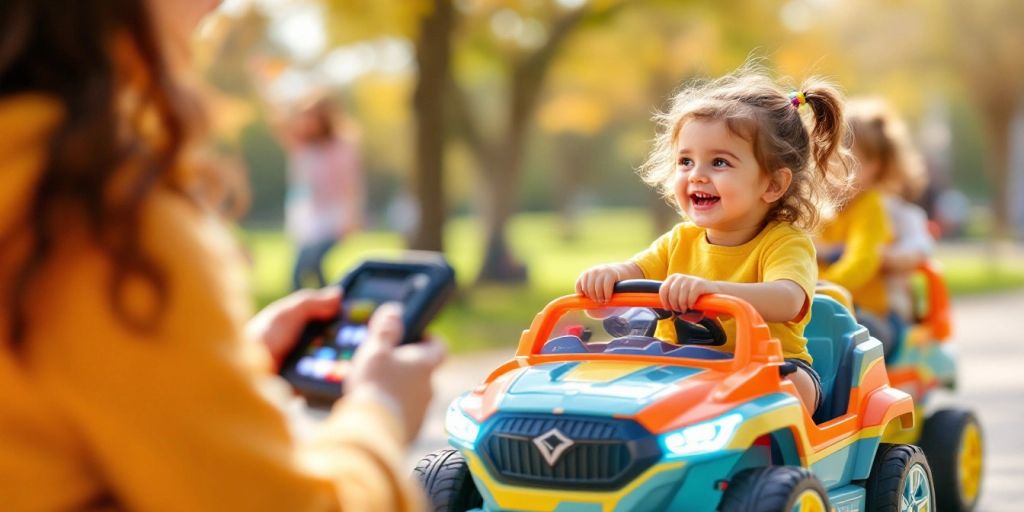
{"points": [[702, 437], [459, 425]]}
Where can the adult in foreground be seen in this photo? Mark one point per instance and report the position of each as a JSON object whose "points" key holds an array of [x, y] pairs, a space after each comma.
{"points": [[132, 375]]}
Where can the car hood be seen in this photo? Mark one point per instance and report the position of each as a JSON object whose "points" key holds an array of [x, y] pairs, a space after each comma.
{"points": [[603, 388]]}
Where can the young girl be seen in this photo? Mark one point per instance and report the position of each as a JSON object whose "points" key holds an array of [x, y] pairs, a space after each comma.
{"points": [[737, 161], [882, 146]]}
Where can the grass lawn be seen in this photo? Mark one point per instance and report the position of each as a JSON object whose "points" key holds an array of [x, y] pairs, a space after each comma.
{"points": [[493, 316]]}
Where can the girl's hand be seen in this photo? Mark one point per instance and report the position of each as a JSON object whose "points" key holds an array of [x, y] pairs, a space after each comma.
{"points": [[598, 282], [679, 292]]}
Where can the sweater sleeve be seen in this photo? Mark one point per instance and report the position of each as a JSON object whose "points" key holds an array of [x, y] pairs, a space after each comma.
{"points": [[183, 416], [865, 242]]}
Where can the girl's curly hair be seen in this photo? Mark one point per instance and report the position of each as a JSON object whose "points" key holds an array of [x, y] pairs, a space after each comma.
{"points": [[879, 135], [756, 109]]}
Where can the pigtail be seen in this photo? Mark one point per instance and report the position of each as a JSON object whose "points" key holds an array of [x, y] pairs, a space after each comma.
{"points": [[829, 140]]}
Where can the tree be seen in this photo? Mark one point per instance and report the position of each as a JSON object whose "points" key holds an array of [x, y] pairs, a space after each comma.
{"points": [[429, 23], [500, 154], [987, 40], [433, 49]]}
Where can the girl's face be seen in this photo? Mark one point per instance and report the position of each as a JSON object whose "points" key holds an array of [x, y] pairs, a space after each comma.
{"points": [[719, 184], [867, 171]]}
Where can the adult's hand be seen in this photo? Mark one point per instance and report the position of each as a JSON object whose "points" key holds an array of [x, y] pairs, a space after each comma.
{"points": [[398, 376], [280, 324]]}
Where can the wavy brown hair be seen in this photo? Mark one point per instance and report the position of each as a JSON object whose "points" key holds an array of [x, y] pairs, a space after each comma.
{"points": [[755, 108], [880, 135], [67, 51]]}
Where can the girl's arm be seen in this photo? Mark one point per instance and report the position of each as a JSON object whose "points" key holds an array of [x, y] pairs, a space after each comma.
{"points": [[902, 260], [868, 235], [277, 119], [777, 301]]}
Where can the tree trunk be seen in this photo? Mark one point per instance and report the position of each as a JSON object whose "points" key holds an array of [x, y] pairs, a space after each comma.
{"points": [[502, 193], [572, 162], [1000, 121], [432, 56], [526, 82]]}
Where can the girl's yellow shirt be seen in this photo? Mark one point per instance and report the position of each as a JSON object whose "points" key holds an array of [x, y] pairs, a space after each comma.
{"points": [[779, 251], [862, 229], [97, 416]]}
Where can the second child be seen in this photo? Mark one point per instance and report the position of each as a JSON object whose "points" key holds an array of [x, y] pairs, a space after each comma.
{"points": [[883, 149]]}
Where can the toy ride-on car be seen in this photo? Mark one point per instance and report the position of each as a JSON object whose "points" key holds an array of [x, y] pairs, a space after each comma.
{"points": [[922, 363], [594, 413]]}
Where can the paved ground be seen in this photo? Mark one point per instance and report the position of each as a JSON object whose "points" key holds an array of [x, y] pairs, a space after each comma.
{"points": [[989, 333]]}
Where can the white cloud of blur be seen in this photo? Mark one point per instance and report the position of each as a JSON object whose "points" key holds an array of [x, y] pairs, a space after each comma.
{"points": [[388, 55], [526, 32], [571, 4], [797, 16], [800, 15], [296, 26], [299, 28]]}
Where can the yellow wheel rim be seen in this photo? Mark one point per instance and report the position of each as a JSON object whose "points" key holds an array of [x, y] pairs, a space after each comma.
{"points": [[809, 501], [969, 463]]}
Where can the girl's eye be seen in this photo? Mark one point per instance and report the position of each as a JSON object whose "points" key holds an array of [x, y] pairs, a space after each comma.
{"points": [[685, 161], [720, 162]]}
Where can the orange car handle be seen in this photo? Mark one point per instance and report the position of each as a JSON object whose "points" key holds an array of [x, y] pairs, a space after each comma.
{"points": [[752, 333], [938, 315]]}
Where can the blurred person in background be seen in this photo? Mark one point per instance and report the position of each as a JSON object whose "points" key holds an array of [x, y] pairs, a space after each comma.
{"points": [[326, 195], [851, 246], [326, 192], [132, 374], [883, 148]]}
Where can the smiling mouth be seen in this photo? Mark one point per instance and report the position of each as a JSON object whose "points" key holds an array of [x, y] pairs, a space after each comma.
{"points": [[700, 199]]}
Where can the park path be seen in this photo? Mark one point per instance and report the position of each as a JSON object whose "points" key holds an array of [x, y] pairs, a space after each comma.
{"points": [[989, 336]]}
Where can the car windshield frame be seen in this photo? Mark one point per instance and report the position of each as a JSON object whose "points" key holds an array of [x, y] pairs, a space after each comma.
{"points": [[751, 342]]}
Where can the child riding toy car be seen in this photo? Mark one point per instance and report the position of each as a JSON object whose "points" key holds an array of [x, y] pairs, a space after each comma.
{"points": [[594, 413], [922, 363]]}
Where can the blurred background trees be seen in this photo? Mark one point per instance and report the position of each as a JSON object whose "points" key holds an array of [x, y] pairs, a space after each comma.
{"points": [[485, 108]]}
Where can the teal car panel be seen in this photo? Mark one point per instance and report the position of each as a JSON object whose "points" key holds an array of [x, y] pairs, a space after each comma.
{"points": [[544, 387]]}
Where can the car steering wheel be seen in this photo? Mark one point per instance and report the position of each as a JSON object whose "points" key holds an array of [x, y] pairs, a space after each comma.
{"points": [[705, 331], [692, 327]]}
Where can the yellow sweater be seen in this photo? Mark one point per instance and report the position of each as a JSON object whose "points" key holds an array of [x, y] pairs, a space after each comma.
{"points": [[94, 416], [862, 229]]}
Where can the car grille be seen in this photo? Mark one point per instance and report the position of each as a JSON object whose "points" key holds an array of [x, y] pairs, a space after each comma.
{"points": [[606, 453]]}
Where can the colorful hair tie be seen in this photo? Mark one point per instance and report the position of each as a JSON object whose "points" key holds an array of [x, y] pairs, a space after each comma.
{"points": [[797, 99]]}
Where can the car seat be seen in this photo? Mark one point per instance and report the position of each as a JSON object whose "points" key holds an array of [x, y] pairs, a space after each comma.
{"points": [[831, 336]]}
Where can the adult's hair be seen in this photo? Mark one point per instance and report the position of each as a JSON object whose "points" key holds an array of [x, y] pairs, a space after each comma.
{"points": [[75, 53], [754, 107]]}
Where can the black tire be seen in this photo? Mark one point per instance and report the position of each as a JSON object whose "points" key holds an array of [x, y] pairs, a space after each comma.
{"points": [[942, 440], [770, 489], [894, 463], [447, 482]]}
